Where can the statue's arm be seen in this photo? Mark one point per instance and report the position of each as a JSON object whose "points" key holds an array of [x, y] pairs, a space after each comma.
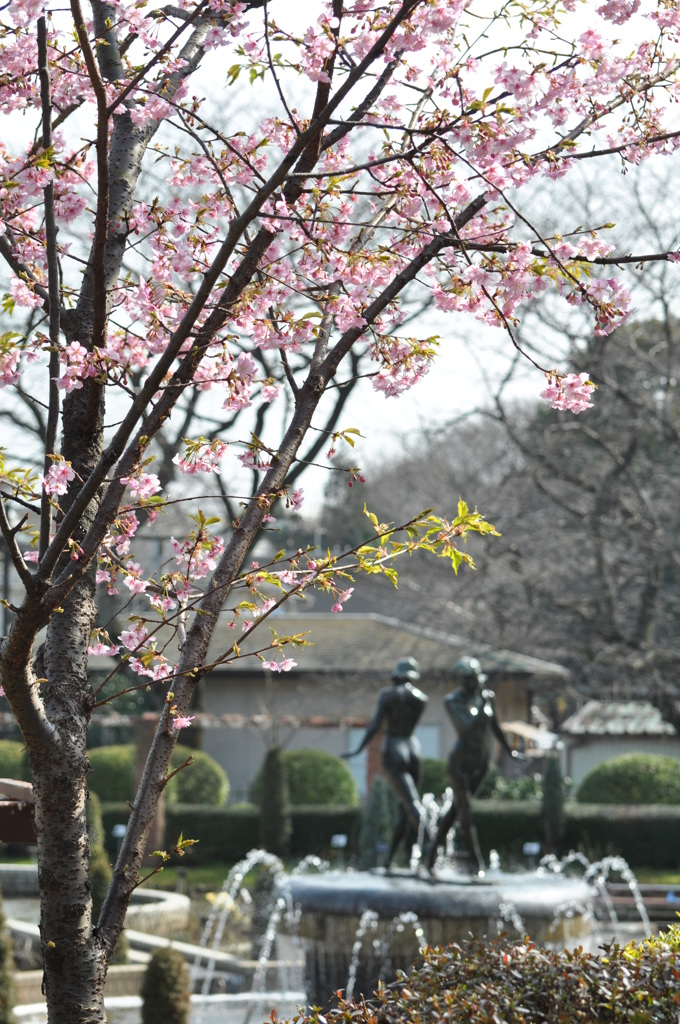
{"points": [[371, 729], [502, 739]]}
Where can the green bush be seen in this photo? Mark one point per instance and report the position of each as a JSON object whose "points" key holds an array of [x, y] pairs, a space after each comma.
{"points": [[315, 778], [632, 779], [113, 772], [482, 982], [14, 761], [165, 989], [203, 782], [113, 776]]}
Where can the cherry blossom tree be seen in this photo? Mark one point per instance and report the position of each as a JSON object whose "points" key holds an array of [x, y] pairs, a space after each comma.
{"points": [[276, 250]]}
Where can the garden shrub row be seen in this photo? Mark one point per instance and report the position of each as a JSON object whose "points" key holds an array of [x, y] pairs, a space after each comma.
{"points": [[644, 836], [228, 833]]}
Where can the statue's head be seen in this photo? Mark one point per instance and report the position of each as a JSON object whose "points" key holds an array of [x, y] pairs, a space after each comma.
{"points": [[406, 671], [470, 671]]}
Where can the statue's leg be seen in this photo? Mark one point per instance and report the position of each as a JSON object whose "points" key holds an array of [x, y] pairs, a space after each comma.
{"points": [[409, 798], [468, 832], [397, 835]]}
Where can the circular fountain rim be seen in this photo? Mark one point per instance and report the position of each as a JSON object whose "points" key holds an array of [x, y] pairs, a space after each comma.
{"points": [[444, 896]]}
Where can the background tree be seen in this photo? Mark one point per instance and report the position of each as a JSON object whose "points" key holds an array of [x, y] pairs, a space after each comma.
{"points": [[591, 497], [391, 173]]}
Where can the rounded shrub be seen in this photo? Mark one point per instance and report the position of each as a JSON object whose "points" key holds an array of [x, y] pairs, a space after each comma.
{"points": [[203, 782], [14, 761], [314, 777], [165, 989], [113, 772], [632, 779]]}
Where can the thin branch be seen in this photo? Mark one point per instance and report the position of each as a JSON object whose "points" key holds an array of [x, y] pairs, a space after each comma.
{"points": [[53, 278], [101, 224]]}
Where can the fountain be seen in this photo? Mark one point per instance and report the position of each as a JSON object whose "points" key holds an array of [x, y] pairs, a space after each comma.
{"points": [[351, 929], [348, 919]]}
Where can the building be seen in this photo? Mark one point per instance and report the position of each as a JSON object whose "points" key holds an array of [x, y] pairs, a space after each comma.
{"points": [[601, 730], [326, 699]]}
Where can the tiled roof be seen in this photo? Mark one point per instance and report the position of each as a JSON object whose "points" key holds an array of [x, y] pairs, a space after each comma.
{"points": [[347, 643], [633, 717]]}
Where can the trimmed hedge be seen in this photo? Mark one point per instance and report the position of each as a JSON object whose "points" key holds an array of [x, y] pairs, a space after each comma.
{"points": [[314, 826], [229, 833], [632, 779], [644, 836], [315, 778]]}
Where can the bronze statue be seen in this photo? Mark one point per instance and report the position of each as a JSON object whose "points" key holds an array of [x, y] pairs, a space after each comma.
{"points": [[397, 713], [471, 710]]}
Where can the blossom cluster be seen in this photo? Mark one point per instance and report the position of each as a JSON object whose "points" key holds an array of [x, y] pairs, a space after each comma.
{"points": [[569, 393]]}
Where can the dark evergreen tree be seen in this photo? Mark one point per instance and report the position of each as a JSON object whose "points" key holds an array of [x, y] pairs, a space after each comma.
{"points": [[377, 822], [275, 820], [552, 805]]}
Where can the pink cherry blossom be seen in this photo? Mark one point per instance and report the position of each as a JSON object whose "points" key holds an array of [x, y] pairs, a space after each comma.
{"points": [[136, 637], [201, 457], [341, 598], [571, 392], [23, 295], [296, 498], [102, 650], [59, 475], [182, 721], [279, 666], [142, 486]]}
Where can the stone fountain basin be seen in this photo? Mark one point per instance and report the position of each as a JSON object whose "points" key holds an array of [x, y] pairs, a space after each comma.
{"points": [[340, 943], [449, 905]]}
